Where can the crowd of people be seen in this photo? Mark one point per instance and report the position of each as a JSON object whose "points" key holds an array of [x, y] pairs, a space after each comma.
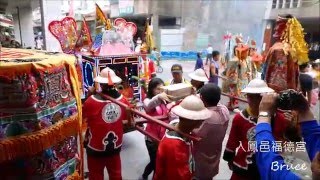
{"points": [[201, 114], [278, 112]]}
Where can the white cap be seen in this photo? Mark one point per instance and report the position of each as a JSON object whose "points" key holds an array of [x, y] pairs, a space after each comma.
{"points": [[317, 61], [107, 76], [199, 75], [192, 108], [257, 86]]}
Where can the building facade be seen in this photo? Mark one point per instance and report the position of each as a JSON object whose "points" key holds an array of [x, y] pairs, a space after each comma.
{"points": [[306, 11], [163, 14]]}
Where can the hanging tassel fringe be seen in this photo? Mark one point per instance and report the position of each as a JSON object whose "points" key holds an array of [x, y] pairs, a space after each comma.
{"points": [[294, 37], [33, 143]]}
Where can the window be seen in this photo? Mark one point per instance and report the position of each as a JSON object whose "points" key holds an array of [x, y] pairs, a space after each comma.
{"points": [[286, 3], [274, 4], [295, 4], [280, 4]]}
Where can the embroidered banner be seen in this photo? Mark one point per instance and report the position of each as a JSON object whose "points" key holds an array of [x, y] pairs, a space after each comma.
{"points": [[40, 115]]}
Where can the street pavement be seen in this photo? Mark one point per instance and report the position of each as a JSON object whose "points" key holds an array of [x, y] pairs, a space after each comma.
{"points": [[134, 154]]}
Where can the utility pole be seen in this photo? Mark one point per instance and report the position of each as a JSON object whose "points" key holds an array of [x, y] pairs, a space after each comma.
{"points": [[43, 26]]}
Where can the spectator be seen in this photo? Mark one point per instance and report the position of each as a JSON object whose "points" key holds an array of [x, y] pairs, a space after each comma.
{"points": [[316, 80], [315, 74], [209, 54], [306, 81], [214, 67], [152, 69], [207, 152], [155, 105], [316, 68], [174, 158], [267, 160], [198, 78], [177, 72], [39, 43], [313, 70], [242, 162], [199, 63], [155, 56]]}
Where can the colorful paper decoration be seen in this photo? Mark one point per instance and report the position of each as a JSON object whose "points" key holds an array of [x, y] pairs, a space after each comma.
{"points": [[66, 33], [227, 37], [84, 40], [125, 27], [118, 41], [97, 44], [101, 20]]}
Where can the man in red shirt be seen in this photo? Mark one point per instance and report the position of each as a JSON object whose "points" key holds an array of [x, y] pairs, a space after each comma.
{"points": [[105, 130], [242, 134], [174, 157]]}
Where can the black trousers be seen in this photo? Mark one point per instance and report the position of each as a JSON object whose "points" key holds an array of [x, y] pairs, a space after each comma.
{"points": [[152, 150], [209, 57]]}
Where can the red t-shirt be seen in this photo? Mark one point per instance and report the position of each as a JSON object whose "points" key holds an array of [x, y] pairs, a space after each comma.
{"points": [[105, 127], [173, 158], [152, 69], [242, 133]]}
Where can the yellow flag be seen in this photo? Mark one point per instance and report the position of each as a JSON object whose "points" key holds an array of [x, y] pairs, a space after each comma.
{"points": [[84, 39], [101, 20], [149, 37]]}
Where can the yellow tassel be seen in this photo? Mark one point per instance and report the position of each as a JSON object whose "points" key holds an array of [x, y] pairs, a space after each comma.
{"points": [[294, 36]]}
